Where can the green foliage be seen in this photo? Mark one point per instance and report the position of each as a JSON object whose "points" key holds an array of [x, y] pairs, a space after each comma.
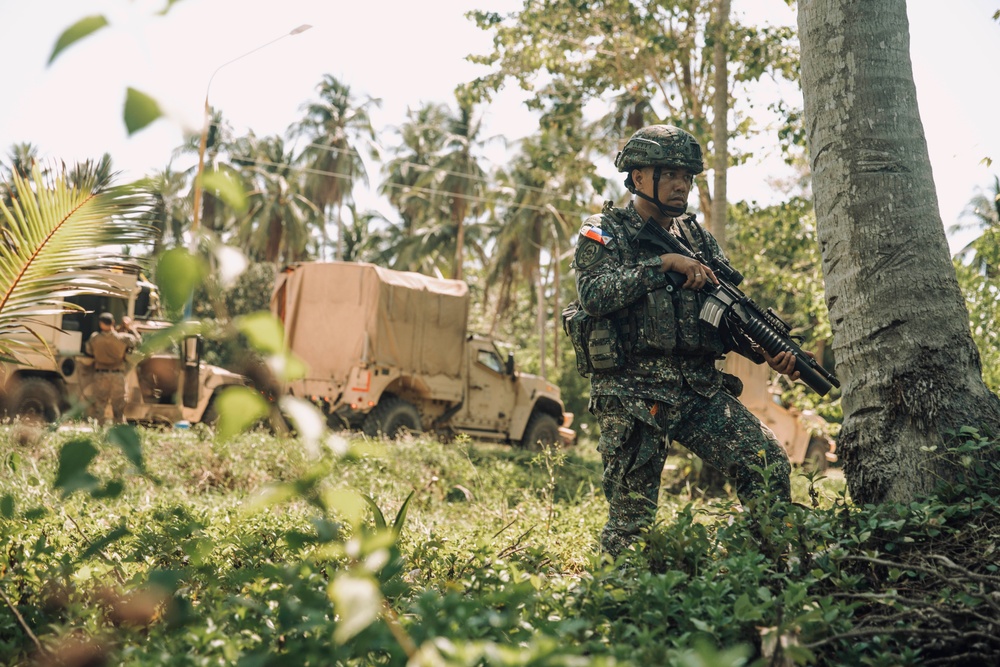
{"points": [[226, 187], [239, 408], [140, 110], [982, 298], [976, 266], [252, 551], [54, 225], [250, 294], [653, 61], [178, 273], [82, 28]]}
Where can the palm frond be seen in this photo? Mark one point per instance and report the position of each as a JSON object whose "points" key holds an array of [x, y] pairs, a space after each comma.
{"points": [[61, 233]]}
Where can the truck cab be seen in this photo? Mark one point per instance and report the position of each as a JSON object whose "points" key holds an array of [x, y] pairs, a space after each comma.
{"points": [[501, 402]]}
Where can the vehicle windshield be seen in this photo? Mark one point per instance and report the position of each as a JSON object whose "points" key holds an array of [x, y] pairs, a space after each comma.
{"points": [[93, 305]]}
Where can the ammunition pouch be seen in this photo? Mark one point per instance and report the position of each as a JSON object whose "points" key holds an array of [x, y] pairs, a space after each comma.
{"points": [[597, 341], [659, 321]]}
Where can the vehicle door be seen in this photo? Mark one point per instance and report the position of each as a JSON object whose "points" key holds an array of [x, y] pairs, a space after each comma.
{"points": [[491, 390]]}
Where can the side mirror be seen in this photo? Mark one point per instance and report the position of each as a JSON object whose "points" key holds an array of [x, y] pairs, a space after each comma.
{"points": [[510, 363]]}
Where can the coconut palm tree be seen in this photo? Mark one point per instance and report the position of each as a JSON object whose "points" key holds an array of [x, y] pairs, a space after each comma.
{"points": [[984, 250], [171, 212], [53, 228], [219, 144], [422, 140], [95, 175], [336, 128], [21, 158], [362, 241], [457, 179], [280, 222], [546, 180]]}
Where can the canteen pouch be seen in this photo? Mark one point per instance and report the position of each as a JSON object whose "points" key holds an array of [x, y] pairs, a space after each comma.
{"points": [[604, 346], [596, 340], [576, 324]]}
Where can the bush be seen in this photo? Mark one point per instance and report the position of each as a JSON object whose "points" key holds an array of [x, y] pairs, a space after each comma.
{"points": [[154, 547]]}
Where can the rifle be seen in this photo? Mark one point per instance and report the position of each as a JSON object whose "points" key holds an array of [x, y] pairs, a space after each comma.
{"points": [[744, 316]]}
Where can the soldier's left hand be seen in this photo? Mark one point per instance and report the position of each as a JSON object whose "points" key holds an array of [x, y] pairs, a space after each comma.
{"points": [[783, 362]]}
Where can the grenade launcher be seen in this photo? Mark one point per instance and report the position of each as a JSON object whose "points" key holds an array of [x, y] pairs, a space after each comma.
{"points": [[727, 305]]}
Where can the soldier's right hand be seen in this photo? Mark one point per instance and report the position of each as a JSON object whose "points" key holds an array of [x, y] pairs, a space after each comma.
{"points": [[697, 274]]}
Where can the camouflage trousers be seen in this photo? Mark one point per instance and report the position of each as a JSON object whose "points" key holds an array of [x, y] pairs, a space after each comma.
{"points": [[635, 437], [106, 387]]}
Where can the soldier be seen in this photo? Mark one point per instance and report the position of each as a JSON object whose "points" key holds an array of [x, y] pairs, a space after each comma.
{"points": [[109, 348], [654, 378]]}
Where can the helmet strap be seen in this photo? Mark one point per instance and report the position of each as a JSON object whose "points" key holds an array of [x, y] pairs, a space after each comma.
{"points": [[669, 211]]}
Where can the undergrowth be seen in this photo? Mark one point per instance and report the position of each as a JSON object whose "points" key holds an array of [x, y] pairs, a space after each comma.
{"points": [[145, 547]]}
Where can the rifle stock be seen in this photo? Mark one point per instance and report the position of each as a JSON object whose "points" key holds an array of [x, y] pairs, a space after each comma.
{"points": [[726, 303]]}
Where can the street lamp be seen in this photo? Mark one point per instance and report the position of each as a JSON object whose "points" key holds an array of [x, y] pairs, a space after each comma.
{"points": [[195, 219]]}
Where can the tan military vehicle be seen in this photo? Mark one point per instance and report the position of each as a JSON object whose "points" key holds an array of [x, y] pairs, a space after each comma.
{"points": [[800, 433], [162, 387], [389, 351]]}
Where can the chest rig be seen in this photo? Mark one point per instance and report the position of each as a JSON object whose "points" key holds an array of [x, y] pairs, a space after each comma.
{"points": [[664, 322], [667, 320]]}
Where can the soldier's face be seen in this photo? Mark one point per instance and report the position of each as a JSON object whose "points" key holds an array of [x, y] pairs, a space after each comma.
{"points": [[673, 188]]}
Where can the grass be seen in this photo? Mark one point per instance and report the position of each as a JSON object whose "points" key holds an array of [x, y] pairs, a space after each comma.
{"points": [[153, 547]]}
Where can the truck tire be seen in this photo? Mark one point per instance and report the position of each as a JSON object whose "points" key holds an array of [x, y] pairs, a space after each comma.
{"points": [[210, 416], [36, 399], [391, 418], [542, 430], [815, 458]]}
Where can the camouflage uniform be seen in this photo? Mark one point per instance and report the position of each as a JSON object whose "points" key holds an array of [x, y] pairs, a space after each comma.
{"points": [[668, 388], [109, 349]]}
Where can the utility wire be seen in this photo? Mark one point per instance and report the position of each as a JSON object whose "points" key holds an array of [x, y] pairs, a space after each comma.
{"points": [[434, 191]]}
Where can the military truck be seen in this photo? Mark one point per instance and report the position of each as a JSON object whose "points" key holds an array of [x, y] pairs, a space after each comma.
{"points": [[161, 388], [800, 433], [389, 351]]}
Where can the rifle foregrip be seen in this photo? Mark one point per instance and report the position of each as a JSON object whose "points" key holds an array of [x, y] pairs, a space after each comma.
{"points": [[810, 372]]}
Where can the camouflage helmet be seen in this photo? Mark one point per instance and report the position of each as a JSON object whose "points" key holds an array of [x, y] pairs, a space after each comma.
{"points": [[660, 145]]}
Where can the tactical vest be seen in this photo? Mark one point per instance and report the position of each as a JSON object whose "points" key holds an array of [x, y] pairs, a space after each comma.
{"points": [[666, 321]]}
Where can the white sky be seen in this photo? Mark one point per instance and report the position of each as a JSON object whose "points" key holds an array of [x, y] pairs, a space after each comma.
{"points": [[403, 52]]}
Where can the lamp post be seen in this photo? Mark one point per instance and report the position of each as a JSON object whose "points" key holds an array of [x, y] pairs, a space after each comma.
{"points": [[196, 217]]}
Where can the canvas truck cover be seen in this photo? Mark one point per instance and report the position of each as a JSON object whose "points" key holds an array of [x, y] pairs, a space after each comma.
{"points": [[339, 314]]}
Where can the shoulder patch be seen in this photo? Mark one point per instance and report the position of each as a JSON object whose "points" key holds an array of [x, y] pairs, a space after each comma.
{"points": [[589, 253]]}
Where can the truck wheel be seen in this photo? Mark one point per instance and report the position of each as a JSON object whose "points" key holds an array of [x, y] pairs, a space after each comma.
{"points": [[36, 399], [211, 414], [542, 430], [816, 454], [391, 418]]}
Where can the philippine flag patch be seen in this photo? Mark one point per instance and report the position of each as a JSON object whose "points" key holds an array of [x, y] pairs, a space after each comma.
{"points": [[594, 233]]}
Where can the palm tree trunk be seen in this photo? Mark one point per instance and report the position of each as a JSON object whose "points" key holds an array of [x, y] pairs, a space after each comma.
{"points": [[557, 305], [540, 319], [459, 247], [274, 232], [910, 370], [340, 235]]}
